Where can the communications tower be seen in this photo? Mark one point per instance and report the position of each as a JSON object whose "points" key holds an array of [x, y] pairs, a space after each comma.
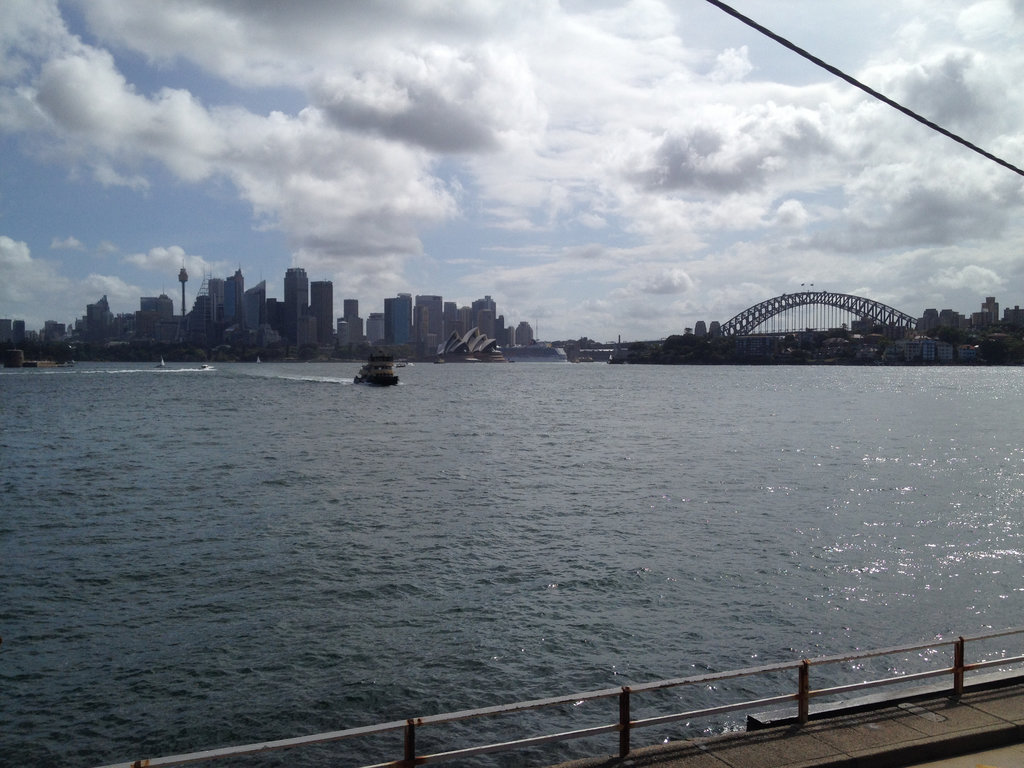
{"points": [[183, 278]]}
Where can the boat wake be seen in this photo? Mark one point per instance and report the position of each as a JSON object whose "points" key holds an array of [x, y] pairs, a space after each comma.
{"points": [[151, 371], [303, 377]]}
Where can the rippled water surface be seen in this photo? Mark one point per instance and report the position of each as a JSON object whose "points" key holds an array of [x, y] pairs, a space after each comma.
{"points": [[193, 559]]}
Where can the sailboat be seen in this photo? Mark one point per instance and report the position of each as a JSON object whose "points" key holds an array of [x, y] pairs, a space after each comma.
{"points": [[162, 363]]}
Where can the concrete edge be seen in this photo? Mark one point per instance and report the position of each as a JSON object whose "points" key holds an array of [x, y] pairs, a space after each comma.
{"points": [[927, 749], [788, 716]]}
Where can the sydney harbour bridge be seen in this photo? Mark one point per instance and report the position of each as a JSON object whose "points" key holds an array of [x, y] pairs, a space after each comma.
{"points": [[816, 310]]}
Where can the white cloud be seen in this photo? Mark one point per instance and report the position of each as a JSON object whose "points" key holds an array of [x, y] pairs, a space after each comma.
{"points": [[67, 244], [791, 214], [169, 260], [30, 287], [34, 290], [121, 295], [971, 276], [985, 22], [646, 146], [13, 255], [731, 65]]}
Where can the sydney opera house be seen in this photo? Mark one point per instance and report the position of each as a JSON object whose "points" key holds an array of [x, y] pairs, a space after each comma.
{"points": [[471, 347]]}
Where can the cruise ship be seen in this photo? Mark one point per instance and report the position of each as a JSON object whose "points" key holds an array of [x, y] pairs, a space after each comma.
{"points": [[535, 353]]}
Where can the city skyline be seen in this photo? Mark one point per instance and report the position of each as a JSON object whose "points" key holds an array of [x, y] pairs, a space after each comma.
{"points": [[305, 314], [626, 168], [225, 310]]}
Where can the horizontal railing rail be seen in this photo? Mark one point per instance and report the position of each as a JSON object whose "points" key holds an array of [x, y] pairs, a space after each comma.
{"points": [[625, 724]]}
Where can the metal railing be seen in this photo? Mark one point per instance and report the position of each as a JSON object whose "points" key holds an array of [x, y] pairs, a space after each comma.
{"points": [[624, 725]]}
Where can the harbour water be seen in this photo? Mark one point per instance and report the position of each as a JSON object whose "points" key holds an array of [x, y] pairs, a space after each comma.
{"points": [[192, 559]]}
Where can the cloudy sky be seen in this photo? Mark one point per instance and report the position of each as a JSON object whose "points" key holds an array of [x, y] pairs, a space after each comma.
{"points": [[600, 168]]}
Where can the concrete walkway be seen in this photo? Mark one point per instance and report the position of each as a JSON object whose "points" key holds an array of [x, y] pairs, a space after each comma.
{"points": [[916, 731]]}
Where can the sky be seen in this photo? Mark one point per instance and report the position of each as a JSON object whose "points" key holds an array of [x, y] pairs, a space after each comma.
{"points": [[602, 169]]}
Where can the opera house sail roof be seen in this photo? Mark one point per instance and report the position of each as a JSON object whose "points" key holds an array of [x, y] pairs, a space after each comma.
{"points": [[472, 345]]}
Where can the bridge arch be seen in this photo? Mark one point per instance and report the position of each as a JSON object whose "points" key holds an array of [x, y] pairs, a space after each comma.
{"points": [[752, 318]]}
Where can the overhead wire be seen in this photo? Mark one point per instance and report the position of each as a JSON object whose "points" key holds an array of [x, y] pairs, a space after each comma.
{"points": [[858, 84]]}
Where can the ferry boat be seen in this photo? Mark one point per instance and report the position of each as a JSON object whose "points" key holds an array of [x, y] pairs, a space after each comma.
{"points": [[378, 369]]}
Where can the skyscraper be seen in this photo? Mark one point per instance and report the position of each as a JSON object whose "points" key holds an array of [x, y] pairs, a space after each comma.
{"points": [[524, 334], [375, 327], [451, 319], [465, 322], [215, 290], [98, 320], [432, 334], [486, 304], [485, 322], [165, 306], [354, 323], [234, 300], [397, 319], [296, 302], [275, 314], [321, 306], [421, 328], [255, 302]]}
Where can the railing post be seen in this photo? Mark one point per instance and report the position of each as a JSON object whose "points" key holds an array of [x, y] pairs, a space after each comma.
{"points": [[624, 721], [958, 667], [410, 743], [803, 694]]}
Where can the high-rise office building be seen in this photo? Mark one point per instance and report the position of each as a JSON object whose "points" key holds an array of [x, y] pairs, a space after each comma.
{"points": [[990, 310], [353, 322], [149, 315], [200, 319], [486, 303], [53, 331], [485, 322], [421, 328], [215, 290], [466, 321], [98, 320], [929, 320], [375, 327], [234, 300], [321, 306], [255, 303], [305, 329], [524, 334], [275, 314], [451, 319], [296, 302], [952, 318], [165, 306], [398, 319], [434, 319]]}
